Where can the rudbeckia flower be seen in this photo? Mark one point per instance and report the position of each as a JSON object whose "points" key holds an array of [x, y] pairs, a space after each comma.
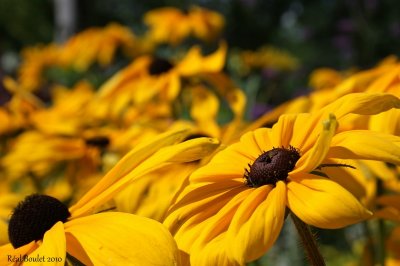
{"points": [[268, 57], [43, 226], [96, 45], [234, 207], [34, 61], [65, 116], [325, 78], [36, 153], [154, 80]]}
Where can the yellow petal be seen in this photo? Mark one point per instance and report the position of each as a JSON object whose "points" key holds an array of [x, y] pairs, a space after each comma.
{"points": [[282, 131], [362, 104], [75, 249], [183, 152], [388, 213], [387, 122], [124, 239], [129, 162], [214, 253], [215, 227], [195, 63], [325, 204], [348, 178], [190, 215], [52, 249], [313, 157], [364, 144], [257, 223]]}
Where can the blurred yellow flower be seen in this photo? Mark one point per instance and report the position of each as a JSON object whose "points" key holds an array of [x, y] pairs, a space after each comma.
{"points": [[268, 57], [325, 78], [171, 25], [35, 153]]}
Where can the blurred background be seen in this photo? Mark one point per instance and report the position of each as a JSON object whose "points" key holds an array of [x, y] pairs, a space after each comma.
{"points": [[338, 34], [343, 35]]}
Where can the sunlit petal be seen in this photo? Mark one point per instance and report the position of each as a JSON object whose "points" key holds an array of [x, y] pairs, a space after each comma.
{"points": [[124, 239]]}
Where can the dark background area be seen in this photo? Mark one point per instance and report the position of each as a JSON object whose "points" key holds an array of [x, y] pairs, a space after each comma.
{"points": [[337, 34]]}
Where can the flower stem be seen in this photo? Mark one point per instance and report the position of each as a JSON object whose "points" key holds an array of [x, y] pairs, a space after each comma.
{"points": [[308, 240]]}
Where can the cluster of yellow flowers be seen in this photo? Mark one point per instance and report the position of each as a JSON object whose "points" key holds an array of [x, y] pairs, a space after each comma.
{"points": [[140, 171]]}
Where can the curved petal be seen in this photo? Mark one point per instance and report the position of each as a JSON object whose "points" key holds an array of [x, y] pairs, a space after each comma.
{"points": [[124, 239], [75, 249], [362, 104], [53, 248], [190, 150], [314, 157], [257, 223], [8, 252], [325, 204], [263, 138], [215, 252], [193, 213], [129, 162], [282, 131], [364, 144]]}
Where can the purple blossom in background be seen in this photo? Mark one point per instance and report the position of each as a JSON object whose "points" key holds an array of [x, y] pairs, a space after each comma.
{"points": [[259, 109]]}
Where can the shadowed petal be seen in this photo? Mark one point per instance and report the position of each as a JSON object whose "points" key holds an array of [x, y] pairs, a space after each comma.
{"points": [[257, 223], [53, 247], [364, 144], [8, 250], [124, 239], [325, 204]]}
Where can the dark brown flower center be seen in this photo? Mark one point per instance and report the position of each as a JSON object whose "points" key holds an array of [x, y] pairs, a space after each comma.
{"points": [[271, 166], [35, 215], [159, 66]]}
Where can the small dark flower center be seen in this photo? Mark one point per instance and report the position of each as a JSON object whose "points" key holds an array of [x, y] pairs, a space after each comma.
{"points": [[33, 216], [159, 66], [271, 166], [98, 141]]}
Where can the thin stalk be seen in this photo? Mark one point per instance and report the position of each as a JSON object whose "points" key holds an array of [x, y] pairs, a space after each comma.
{"points": [[308, 240]]}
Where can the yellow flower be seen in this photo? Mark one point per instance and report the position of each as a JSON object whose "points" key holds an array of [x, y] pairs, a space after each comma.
{"points": [[34, 61], [268, 57], [171, 25], [234, 207], [36, 153], [153, 79], [43, 226], [325, 78], [96, 45], [66, 116]]}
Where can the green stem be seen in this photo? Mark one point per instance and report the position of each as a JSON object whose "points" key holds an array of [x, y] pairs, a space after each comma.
{"points": [[380, 245], [308, 240]]}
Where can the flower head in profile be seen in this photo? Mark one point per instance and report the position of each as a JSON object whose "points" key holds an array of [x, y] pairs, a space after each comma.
{"points": [[234, 207]]}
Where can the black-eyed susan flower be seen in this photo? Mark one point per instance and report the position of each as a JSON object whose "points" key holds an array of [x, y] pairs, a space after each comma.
{"points": [[45, 152], [151, 79], [43, 226], [268, 57], [234, 207]]}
